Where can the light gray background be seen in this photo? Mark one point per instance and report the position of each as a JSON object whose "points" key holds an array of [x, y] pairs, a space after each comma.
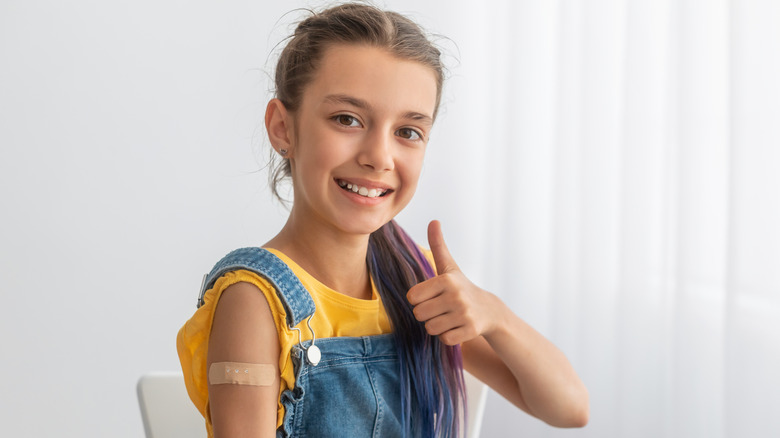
{"points": [[132, 149]]}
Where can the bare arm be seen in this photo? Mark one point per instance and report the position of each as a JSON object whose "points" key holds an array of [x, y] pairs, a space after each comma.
{"points": [[244, 331], [528, 370], [499, 348]]}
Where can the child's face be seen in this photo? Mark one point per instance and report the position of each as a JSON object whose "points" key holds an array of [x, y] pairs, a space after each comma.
{"points": [[364, 122]]}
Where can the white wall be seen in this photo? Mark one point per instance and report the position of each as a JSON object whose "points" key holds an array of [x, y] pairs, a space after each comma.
{"points": [[131, 151]]}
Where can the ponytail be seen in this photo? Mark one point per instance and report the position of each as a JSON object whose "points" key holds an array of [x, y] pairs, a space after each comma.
{"points": [[433, 390]]}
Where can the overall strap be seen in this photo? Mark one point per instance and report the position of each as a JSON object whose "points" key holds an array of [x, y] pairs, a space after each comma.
{"points": [[296, 299]]}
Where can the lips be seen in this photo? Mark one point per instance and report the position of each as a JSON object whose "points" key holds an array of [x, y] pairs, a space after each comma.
{"points": [[368, 192]]}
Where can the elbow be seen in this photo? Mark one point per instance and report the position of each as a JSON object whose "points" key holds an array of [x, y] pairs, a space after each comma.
{"points": [[578, 417], [579, 413], [575, 413]]}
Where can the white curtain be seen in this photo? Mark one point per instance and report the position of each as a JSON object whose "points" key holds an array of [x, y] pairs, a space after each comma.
{"points": [[630, 202]]}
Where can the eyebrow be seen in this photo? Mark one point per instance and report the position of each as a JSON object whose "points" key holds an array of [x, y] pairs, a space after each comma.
{"points": [[362, 104], [343, 98]]}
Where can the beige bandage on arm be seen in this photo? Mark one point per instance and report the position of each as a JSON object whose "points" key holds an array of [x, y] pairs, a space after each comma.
{"points": [[237, 373]]}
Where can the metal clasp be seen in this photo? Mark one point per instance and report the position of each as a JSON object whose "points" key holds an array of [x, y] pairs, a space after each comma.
{"points": [[202, 290], [313, 353]]}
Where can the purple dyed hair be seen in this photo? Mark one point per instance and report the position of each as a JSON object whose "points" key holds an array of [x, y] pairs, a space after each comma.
{"points": [[431, 373]]}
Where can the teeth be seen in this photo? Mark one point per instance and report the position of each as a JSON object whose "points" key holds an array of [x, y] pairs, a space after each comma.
{"points": [[362, 191]]}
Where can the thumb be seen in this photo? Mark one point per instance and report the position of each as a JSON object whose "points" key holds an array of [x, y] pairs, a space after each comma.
{"points": [[441, 255]]}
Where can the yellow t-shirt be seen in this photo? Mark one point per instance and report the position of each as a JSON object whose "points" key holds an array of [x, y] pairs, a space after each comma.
{"points": [[336, 315]]}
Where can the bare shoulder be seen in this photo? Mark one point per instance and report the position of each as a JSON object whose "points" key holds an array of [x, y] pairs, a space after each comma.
{"points": [[242, 298], [242, 322]]}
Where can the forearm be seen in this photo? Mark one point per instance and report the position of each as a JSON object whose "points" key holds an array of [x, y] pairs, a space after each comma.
{"points": [[544, 380]]}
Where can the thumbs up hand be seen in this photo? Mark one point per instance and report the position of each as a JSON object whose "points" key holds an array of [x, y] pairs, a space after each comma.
{"points": [[451, 306]]}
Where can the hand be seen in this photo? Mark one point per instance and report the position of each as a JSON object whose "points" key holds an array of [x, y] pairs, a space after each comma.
{"points": [[452, 307]]}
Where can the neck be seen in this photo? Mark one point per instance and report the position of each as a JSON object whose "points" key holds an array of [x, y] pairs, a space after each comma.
{"points": [[338, 260]]}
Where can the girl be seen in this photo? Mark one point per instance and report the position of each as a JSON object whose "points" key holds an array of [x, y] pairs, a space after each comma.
{"points": [[340, 325]]}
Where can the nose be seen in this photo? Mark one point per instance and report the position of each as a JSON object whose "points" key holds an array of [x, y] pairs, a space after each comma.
{"points": [[376, 153]]}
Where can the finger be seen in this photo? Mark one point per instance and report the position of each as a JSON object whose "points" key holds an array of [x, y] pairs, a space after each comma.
{"points": [[457, 335], [441, 324], [424, 291], [431, 308], [441, 255]]}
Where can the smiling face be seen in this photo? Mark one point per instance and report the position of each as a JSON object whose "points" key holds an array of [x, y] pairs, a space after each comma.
{"points": [[359, 139]]}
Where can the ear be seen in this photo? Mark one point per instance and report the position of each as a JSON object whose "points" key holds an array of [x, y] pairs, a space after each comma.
{"points": [[279, 125]]}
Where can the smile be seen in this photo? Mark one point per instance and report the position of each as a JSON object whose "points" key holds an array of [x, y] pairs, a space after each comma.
{"points": [[362, 191]]}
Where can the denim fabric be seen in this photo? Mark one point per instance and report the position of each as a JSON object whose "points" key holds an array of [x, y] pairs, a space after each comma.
{"points": [[296, 300], [353, 392]]}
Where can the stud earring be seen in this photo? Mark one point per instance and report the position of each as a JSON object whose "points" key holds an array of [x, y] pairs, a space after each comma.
{"points": [[283, 152]]}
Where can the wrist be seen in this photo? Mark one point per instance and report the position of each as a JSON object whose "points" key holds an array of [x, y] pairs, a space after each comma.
{"points": [[498, 315]]}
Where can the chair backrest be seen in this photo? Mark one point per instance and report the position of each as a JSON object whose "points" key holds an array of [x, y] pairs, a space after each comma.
{"points": [[166, 408], [476, 397], [167, 411]]}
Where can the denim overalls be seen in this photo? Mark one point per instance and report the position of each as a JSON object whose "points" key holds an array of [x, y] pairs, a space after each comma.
{"points": [[344, 387]]}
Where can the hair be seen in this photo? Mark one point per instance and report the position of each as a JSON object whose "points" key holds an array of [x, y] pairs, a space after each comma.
{"points": [[431, 373], [432, 386]]}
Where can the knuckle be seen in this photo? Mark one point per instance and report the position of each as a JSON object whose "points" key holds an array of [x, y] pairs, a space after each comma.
{"points": [[450, 280]]}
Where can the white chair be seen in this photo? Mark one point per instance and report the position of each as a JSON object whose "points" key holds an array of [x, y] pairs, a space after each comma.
{"points": [[166, 408], [167, 411], [476, 397]]}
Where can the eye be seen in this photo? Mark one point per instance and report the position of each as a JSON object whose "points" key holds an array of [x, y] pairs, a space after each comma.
{"points": [[347, 120], [409, 134]]}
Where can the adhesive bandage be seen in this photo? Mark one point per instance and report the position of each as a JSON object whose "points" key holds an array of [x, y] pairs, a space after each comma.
{"points": [[237, 373]]}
